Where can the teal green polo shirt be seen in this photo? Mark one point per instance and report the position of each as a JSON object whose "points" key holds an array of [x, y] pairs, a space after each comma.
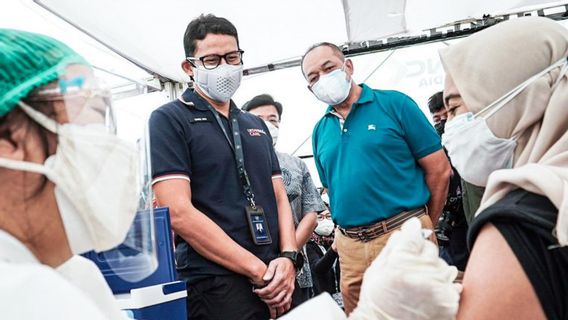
{"points": [[370, 164]]}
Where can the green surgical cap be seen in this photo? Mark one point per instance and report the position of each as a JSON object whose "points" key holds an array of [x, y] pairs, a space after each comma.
{"points": [[27, 61]]}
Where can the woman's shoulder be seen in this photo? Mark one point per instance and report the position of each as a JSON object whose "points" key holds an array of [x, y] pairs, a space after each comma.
{"points": [[28, 283]]}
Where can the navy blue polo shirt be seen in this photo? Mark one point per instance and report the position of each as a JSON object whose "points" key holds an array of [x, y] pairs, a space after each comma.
{"points": [[370, 163], [186, 139]]}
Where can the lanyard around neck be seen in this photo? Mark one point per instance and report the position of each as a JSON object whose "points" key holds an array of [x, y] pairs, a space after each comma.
{"points": [[237, 147]]}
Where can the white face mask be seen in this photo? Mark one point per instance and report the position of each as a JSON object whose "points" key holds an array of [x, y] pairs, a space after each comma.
{"points": [[325, 227], [96, 180], [332, 88], [474, 150], [221, 83], [273, 131]]}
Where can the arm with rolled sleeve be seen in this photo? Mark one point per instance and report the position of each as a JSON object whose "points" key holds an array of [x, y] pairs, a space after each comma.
{"points": [[425, 146], [171, 168]]}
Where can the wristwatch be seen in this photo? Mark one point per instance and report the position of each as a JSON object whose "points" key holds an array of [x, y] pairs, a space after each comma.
{"points": [[296, 257]]}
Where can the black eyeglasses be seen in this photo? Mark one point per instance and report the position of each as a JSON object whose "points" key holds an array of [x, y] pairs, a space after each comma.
{"points": [[212, 61]]}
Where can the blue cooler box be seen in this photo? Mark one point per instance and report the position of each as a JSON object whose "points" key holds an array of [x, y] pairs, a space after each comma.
{"points": [[165, 272], [160, 302]]}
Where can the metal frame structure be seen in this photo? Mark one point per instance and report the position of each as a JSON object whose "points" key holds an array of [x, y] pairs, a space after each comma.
{"points": [[458, 29]]}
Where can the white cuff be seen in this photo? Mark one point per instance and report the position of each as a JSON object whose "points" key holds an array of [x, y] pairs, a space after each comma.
{"points": [[170, 177]]}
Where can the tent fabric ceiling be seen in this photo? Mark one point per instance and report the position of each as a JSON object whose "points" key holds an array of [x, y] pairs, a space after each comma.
{"points": [[150, 33], [28, 16], [372, 20]]}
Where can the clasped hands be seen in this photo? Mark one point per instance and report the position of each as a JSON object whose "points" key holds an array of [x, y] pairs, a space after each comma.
{"points": [[276, 286]]}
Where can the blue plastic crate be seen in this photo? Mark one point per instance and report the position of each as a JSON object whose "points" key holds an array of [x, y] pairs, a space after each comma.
{"points": [[160, 302], [166, 268]]}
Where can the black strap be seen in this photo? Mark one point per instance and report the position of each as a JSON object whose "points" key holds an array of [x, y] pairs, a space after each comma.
{"points": [[237, 150]]}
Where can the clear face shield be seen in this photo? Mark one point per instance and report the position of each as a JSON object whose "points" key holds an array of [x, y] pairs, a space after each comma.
{"points": [[136, 257], [102, 182]]}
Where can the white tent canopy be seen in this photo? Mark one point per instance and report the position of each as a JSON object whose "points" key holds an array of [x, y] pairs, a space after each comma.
{"points": [[150, 33], [26, 15]]}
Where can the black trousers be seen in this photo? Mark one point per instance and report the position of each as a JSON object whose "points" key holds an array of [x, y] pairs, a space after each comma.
{"points": [[224, 297], [300, 295]]}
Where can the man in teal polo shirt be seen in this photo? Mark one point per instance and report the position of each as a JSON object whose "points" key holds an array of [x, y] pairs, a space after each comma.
{"points": [[379, 157]]}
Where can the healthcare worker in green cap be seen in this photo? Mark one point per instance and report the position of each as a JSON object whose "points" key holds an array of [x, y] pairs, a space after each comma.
{"points": [[68, 184]]}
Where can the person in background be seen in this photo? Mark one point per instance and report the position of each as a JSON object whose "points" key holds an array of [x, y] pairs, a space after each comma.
{"points": [[214, 166], [302, 193], [470, 194], [58, 196], [514, 124], [323, 257], [451, 229], [438, 111], [379, 158]]}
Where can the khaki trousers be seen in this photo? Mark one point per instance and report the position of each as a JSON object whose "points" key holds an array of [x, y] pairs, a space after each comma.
{"points": [[355, 257]]}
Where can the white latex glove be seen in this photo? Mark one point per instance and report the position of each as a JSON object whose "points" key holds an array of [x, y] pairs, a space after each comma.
{"points": [[408, 281]]}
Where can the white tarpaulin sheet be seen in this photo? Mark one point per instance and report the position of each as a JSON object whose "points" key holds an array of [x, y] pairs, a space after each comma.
{"points": [[150, 32], [372, 20], [28, 16]]}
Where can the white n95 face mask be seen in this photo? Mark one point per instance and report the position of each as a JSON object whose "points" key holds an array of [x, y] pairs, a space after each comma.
{"points": [[332, 88], [473, 148], [325, 227], [221, 83], [273, 131], [96, 182]]}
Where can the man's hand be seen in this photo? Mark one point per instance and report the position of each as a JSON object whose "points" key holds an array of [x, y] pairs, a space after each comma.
{"points": [[258, 272], [274, 312], [280, 276], [334, 244]]}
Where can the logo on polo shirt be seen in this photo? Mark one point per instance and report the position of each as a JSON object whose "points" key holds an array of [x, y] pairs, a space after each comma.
{"points": [[256, 132], [371, 127]]}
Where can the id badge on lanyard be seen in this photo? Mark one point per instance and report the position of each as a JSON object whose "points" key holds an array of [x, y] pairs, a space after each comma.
{"points": [[258, 225], [254, 214]]}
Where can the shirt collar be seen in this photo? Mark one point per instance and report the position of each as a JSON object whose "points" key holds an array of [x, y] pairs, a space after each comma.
{"points": [[191, 98], [365, 97], [13, 251]]}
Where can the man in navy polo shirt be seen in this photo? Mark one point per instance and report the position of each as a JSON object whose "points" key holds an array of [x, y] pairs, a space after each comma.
{"points": [[215, 168], [380, 159]]}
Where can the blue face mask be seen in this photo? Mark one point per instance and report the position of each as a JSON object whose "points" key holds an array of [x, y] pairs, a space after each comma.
{"points": [[332, 88]]}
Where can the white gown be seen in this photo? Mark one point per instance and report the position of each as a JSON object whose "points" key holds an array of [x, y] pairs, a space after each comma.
{"points": [[30, 290]]}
